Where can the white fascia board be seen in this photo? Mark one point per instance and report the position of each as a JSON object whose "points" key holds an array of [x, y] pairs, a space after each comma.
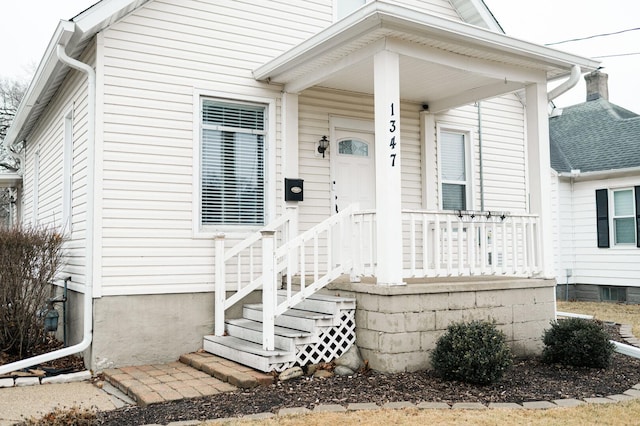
{"points": [[380, 14], [62, 35], [96, 17]]}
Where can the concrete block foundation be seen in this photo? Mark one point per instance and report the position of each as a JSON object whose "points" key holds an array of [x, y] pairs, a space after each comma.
{"points": [[397, 326]]}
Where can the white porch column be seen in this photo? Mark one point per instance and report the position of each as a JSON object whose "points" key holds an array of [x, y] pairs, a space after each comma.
{"points": [[290, 162], [290, 134], [539, 170], [388, 178]]}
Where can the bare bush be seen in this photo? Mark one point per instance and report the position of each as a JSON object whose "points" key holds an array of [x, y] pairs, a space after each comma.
{"points": [[30, 258]]}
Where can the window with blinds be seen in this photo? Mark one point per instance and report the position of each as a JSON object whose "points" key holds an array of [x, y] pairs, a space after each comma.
{"points": [[232, 163], [453, 171]]}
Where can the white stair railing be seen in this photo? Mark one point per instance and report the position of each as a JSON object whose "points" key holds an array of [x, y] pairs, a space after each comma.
{"points": [[324, 252], [320, 251], [244, 263]]}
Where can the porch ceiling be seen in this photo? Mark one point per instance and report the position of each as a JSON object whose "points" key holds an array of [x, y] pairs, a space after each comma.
{"points": [[443, 63]]}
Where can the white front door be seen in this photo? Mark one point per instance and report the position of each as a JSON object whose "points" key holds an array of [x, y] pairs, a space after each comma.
{"points": [[353, 178], [353, 168]]}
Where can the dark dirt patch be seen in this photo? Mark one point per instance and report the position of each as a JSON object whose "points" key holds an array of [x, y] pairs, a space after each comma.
{"points": [[527, 380]]}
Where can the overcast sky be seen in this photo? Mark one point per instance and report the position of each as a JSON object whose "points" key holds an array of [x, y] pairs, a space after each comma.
{"points": [[26, 27]]}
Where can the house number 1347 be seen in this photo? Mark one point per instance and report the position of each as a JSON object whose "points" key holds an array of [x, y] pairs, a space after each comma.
{"points": [[392, 131]]}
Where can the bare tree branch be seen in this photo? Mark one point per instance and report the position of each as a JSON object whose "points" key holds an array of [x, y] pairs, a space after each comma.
{"points": [[11, 93]]}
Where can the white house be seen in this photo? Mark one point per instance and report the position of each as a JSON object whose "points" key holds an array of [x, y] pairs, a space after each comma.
{"points": [[197, 152], [595, 152]]}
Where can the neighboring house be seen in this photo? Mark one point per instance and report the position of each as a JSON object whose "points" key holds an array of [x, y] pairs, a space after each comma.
{"points": [[595, 150], [196, 152]]}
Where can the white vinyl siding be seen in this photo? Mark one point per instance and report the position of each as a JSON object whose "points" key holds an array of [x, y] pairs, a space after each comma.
{"points": [[155, 59], [443, 8], [615, 266], [50, 137], [502, 161]]}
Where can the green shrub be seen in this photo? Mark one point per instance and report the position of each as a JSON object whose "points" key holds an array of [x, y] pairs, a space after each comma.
{"points": [[474, 352], [578, 342], [30, 258]]}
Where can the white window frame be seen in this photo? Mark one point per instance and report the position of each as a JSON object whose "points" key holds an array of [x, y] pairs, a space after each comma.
{"points": [[468, 135], [337, 17], [612, 215], [235, 231]]}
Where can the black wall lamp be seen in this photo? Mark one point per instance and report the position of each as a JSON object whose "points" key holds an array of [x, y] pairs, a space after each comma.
{"points": [[323, 144]]}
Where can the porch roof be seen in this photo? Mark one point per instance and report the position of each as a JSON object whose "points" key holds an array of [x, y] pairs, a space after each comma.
{"points": [[443, 63]]}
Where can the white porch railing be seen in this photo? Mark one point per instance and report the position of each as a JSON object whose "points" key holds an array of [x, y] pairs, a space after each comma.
{"points": [[318, 252], [436, 244], [444, 244]]}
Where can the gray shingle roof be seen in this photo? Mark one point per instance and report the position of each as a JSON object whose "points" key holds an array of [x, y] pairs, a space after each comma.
{"points": [[594, 136]]}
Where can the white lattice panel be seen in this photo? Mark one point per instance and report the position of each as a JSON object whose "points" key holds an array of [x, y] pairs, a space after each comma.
{"points": [[332, 342]]}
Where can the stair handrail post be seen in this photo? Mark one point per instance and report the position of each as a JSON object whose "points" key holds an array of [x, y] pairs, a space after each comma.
{"points": [[269, 301], [220, 286]]}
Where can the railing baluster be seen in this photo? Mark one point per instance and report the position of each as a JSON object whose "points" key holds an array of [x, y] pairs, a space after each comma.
{"points": [[220, 294], [239, 274], [316, 255], [425, 245], [494, 250], [514, 246], [449, 246], [471, 238], [503, 269], [482, 235], [436, 238], [412, 243], [303, 266]]}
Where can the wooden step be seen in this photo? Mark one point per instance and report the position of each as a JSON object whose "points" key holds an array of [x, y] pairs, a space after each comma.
{"points": [[250, 330], [328, 304], [293, 318], [245, 352]]}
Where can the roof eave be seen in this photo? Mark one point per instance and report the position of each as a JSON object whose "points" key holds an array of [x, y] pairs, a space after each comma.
{"points": [[72, 34], [47, 68], [601, 174], [381, 14]]}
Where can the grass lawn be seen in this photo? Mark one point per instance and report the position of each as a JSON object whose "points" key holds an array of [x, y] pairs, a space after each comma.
{"points": [[627, 413], [623, 314]]}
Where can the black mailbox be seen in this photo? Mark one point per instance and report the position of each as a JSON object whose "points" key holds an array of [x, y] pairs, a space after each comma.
{"points": [[293, 189]]}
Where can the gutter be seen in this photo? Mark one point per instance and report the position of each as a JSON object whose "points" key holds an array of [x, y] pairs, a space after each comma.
{"points": [[570, 83], [600, 174], [88, 288]]}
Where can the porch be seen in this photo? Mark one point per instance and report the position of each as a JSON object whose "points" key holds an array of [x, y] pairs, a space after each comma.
{"points": [[458, 266]]}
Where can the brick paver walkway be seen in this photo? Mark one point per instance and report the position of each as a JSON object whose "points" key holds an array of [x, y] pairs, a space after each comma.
{"points": [[190, 378]]}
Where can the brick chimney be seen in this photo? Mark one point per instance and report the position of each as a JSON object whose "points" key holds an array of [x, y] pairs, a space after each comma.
{"points": [[597, 85]]}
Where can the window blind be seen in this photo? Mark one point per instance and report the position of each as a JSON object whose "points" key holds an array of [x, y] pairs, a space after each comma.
{"points": [[232, 156]]}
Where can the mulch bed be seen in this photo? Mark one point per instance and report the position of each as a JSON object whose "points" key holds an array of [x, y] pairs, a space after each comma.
{"points": [[527, 380]]}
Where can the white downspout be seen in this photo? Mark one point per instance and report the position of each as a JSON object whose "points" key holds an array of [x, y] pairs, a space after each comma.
{"points": [[570, 83], [88, 289]]}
